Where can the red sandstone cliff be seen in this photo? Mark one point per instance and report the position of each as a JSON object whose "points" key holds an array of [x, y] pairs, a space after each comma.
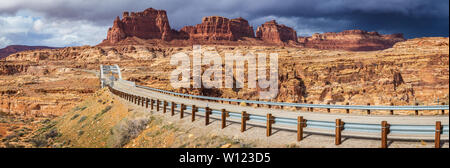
{"points": [[218, 28], [353, 40], [275, 33], [149, 24], [152, 27]]}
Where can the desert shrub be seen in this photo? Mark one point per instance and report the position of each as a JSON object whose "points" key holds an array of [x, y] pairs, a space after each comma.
{"points": [[52, 133], [75, 116], [78, 108], [39, 142], [126, 130], [80, 132], [106, 109], [82, 119]]}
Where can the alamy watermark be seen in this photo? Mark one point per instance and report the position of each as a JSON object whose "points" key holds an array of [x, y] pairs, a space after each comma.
{"points": [[262, 73]]}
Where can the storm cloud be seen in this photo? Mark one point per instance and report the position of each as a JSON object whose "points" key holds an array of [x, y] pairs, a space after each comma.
{"points": [[85, 22]]}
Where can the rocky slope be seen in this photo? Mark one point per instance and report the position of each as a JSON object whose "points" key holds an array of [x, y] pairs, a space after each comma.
{"points": [[352, 40], [4, 52], [414, 71]]}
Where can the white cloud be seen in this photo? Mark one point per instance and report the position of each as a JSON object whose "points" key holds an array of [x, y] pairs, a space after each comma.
{"points": [[4, 42], [31, 30]]}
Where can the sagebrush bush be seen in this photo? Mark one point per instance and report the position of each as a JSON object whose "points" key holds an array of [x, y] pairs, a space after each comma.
{"points": [[126, 130]]}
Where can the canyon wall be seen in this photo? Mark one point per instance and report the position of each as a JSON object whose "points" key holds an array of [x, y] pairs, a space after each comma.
{"points": [[351, 40], [149, 24], [218, 28], [272, 32]]}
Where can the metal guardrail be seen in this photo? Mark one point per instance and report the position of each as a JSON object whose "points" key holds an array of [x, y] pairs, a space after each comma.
{"points": [[323, 106], [323, 125]]}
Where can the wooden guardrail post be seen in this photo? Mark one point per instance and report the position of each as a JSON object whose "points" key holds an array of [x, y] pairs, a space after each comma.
{"points": [[138, 100], [142, 101], [368, 111], [172, 109], [392, 111], [384, 133], [182, 106], [312, 109], [270, 121], [347, 110], [339, 125], [417, 111], [194, 109], [328, 109], [437, 137], [164, 106], [151, 104], [157, 104], [443, 111], [300, 124], [207, 113], [244, 118], [224, 118], [146, 103]]}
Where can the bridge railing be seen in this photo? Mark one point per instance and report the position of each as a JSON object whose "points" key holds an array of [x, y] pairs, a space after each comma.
{"points": [[323, 106], [383, 128]]}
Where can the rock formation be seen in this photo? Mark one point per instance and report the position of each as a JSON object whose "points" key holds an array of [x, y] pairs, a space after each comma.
{"points": [[215, 28], [149, 24], [352, 40], [275, 33], [4, 52]]}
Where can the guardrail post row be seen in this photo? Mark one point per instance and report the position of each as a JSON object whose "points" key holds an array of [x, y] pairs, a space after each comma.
{"points": [[172, 109], [207, 113], [300, 124], [437, 138], [368, 111], [417, 111], [193, 113], [384, 133], [244, 118], [164, 106], [224, 118], [338, 131], [182, 107], [270, 121]]}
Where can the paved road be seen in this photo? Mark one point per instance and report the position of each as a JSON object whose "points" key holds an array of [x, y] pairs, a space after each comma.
{"points": [[346, 118]]}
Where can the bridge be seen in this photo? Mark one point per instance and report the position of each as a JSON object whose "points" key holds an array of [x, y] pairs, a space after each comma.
{"points": [[384, 127]]}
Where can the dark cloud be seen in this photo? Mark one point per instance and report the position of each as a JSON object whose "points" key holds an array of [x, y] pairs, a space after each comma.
{"points": [[414, 18]]}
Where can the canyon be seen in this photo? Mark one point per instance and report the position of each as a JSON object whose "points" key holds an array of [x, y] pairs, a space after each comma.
{"points": [[353, 67]]}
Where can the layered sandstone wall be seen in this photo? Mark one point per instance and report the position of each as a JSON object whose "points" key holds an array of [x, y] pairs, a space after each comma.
{"points": [[215, 28], [149, 24], [272, 32], [352, 40]]}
